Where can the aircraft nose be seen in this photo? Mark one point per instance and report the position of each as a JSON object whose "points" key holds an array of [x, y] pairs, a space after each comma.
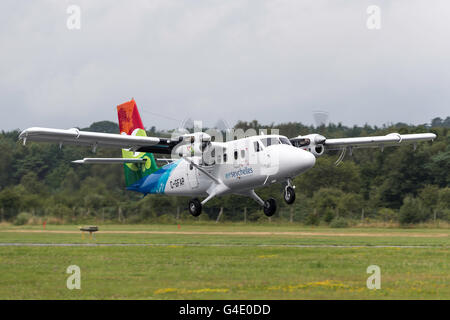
{"points": [[297, 161], [309, 160]]}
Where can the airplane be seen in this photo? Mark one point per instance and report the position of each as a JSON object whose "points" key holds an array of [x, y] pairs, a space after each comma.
{"points": [[200, 167]]}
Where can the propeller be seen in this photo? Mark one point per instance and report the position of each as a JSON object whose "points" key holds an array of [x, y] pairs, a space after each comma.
{"points": [[321, 118]]}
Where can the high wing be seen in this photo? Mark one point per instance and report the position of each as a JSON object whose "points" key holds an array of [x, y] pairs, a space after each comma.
{"points": [[377, 141], [96, 139], [318, 144]]}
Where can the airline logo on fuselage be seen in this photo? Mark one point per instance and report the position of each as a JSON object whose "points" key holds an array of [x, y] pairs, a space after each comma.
{"points": [[239, 173]]}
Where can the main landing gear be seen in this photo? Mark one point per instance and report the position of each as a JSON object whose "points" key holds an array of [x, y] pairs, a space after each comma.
{"points": [[270, 207], [195, 207]]}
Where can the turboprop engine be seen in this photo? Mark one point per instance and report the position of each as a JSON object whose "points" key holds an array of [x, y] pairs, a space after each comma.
{"points": [[311, 142]]}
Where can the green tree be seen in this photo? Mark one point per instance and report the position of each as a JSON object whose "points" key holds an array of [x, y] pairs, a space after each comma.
{"points": [[412, 211], [10, 202]]}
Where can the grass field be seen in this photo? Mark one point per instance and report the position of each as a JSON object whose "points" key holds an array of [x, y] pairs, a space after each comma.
{"points": [[224, 261]]}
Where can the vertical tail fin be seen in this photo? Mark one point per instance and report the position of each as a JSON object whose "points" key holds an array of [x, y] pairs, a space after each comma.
{"points": [[130, 123], [129, 119]]}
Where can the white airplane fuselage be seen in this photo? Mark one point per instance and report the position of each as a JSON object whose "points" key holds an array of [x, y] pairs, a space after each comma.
{"points": [[238, 166]]}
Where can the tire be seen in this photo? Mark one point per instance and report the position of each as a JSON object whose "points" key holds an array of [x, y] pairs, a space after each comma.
{"points": [[195, 207], [270, 206], [289, 195]]}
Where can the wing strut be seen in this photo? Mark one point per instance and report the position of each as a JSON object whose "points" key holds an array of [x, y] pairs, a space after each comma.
{"points": [[209, 175], [341, 156]]}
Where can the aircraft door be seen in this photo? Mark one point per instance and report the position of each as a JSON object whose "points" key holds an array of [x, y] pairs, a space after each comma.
{"points": [[265, 158], [269, 161], [260, 155], [192, 175]]}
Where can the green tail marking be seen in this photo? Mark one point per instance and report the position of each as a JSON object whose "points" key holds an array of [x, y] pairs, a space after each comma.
{"points": [[134, 172]]}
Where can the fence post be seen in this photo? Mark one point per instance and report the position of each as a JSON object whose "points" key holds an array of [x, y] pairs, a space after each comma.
{"points": [[220, 214], [245, 214], [291, 217], [362, 214]]}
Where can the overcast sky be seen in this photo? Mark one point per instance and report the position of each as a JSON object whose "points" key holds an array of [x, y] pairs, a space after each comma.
{"points": [[274, 61]]}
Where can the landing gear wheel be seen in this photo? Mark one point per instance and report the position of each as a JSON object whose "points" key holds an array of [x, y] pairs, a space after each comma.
{"points": [[289, 195], [195, 207], [270, 206]]}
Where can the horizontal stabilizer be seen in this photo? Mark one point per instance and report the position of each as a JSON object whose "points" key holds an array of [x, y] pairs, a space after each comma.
{"points": [[110, 160]]}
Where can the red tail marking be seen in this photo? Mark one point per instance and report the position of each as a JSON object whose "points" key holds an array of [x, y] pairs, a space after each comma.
{"points": [[129, 118]]}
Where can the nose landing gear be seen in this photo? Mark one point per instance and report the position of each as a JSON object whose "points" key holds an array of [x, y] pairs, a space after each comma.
{"points": [[195, 207], [289, 195], [289, 192]]}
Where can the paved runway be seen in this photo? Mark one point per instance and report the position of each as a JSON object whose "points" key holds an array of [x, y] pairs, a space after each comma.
{"points": [[200, 245], [253, 233]]}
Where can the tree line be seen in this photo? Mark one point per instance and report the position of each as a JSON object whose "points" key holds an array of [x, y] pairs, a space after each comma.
{"points": [[399, 184]]}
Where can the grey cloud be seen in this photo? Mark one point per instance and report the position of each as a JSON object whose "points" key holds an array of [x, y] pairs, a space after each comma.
{"points": [[274, 61]]}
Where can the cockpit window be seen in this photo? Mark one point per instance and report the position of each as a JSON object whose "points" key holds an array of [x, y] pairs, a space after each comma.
{"points": [[285, 141], [270, 141]]}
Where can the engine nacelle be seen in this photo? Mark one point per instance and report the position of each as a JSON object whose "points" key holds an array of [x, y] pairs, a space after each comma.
{"points": [[311, 142]]}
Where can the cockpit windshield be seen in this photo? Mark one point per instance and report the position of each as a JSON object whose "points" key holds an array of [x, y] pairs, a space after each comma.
{"points": [[270, 141], [285, 141]]}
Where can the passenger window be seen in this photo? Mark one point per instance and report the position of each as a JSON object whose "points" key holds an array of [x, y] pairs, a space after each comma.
{"points": [[235, 154], [243, 154], [224, 158]]}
